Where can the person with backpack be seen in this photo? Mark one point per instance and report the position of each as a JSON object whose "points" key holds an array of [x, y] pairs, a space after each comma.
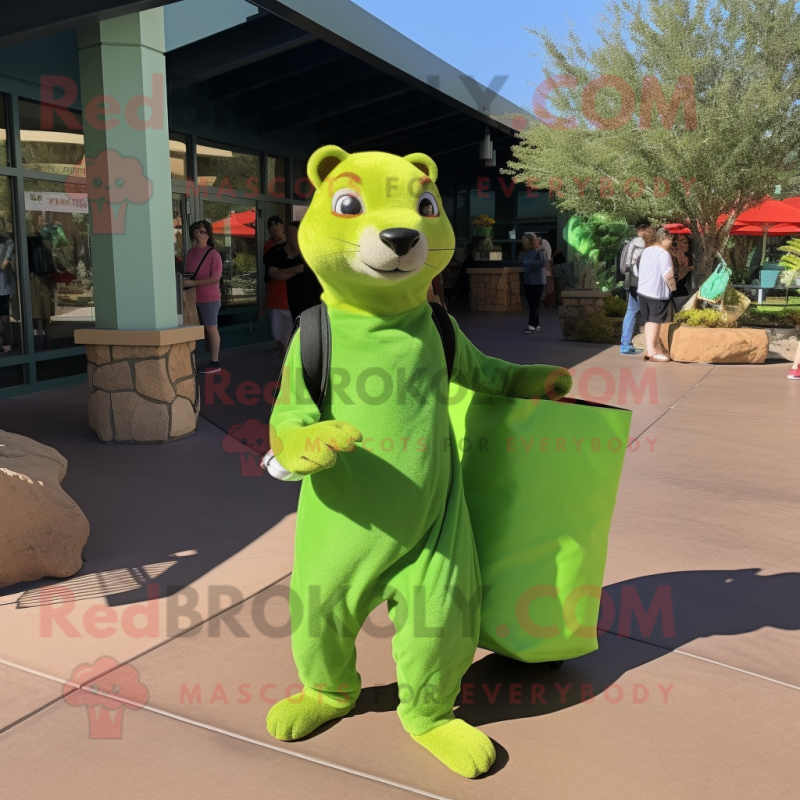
{"points": [[629, 267]]}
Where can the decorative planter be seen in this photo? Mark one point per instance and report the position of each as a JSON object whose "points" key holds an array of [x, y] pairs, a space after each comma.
{"points": [[577, 304], [494, 289], [483, 231], [696, 345]]}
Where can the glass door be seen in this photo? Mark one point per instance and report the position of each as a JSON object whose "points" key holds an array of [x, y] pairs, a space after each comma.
{"points": [[234, 226]]}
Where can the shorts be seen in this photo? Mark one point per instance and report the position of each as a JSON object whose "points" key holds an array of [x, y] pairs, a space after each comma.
{"points": [[5, 305], [208, 313], [654, 310], [281, 319]]}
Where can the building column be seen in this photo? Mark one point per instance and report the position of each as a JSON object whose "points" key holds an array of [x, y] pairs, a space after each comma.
{"points": [[126, 136]]}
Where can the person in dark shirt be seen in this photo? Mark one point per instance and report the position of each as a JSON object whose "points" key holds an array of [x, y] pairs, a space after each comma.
{"points": [[302, 288]]}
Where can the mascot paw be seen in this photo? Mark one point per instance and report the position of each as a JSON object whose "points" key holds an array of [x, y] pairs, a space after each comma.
{"points": [[299, 715], [541, 381], [464, 749], [312, 448]]}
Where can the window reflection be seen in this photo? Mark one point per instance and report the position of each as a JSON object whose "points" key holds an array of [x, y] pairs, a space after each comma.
{"points": [[59, 263], [234, 227], [3, 133], [51, 139], [178, 155], [10, 306], [224, 170]]}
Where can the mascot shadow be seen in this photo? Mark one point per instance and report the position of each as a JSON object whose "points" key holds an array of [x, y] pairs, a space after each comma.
{"points": [[691, 605]]}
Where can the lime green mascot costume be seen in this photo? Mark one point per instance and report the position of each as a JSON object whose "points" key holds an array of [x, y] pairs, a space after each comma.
{"points": [[382, 515]]}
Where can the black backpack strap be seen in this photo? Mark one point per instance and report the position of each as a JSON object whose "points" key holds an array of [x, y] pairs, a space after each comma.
{"points": [[315, 351], [447, 334]]}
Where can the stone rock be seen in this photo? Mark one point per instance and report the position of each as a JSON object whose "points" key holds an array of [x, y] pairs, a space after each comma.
{"points": [[783, 343], [184, 420], [112, 377], [719, 345], [43, 530], [123, 351], [152, 380], [180, 362], [139, 420], [98, 354], [187, 389], [100, 415]]}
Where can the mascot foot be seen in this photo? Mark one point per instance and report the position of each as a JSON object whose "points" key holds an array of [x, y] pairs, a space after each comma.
{"points": [[299, 715], [464, 749]]}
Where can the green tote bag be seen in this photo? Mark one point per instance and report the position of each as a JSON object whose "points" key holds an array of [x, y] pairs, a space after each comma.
{"points": [[540, 480]]}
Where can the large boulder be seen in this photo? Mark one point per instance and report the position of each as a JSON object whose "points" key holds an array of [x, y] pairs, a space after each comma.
{"points": [[719, 345], [42, 530]]}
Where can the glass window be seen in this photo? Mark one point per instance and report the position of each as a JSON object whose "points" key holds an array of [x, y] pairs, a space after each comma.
{"points": [[59, 262], [3, 133], [178, 161], [234, 227], [10, 306], [178, 229], [481, 201], [301, 185], [276, 176], [223, 170], [534, 205], [51, 138]]}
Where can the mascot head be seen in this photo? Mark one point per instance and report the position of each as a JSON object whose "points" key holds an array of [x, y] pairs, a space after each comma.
{"points": [[375, 233]]}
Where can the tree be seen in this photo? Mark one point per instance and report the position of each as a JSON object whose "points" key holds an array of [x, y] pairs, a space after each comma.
{"points": [[684, 112]]}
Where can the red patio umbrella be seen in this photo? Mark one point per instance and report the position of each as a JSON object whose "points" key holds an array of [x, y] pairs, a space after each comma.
{"points": [[757, 230], [236, 225], [766, 215]]}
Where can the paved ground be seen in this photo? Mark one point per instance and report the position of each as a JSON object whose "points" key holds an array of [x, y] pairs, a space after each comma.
{"points": [[707, 508]]}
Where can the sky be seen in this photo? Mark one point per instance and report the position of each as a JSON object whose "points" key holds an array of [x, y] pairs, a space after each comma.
{"points": [[485, 38]]}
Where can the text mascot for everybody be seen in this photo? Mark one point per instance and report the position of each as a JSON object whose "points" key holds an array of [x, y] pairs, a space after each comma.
{"points": [[382, 515]]}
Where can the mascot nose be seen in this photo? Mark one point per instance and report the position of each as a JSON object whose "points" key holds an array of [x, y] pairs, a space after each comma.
{"points": [[401, 240]]}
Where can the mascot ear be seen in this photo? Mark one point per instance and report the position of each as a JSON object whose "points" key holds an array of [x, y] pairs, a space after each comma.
{"points": [[425, 164], [323, 162]]}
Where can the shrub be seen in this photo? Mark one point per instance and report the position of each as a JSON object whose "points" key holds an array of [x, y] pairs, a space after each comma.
{"points": [[702, 318], [764, 316], [614, 306], [597, 328]]}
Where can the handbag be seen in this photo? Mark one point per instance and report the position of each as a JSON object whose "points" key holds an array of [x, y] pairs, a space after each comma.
{"points": [[540, 482], [714, 286]]}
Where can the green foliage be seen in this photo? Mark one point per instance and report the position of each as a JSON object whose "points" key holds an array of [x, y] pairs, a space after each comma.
{"points": [[702, 318], [614, 307], [727, 56], [771, 317], [597, 328], [790, 262], [245, 263]]}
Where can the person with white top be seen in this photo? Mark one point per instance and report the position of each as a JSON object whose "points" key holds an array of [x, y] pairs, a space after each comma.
{"points": [[656, 284]]}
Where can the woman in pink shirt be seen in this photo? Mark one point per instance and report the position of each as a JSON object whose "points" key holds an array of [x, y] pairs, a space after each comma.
{"points": [[204, 266]]}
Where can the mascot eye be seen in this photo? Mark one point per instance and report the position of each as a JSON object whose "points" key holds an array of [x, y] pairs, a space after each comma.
{"points": [[428, 207], [346, 203]]}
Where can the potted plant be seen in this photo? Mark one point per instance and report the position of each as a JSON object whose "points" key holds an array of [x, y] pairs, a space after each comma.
{"points": [[483, 225]]}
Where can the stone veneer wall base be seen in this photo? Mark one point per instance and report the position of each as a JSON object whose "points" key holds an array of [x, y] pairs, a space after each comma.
{"points": [[142, 393]]}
